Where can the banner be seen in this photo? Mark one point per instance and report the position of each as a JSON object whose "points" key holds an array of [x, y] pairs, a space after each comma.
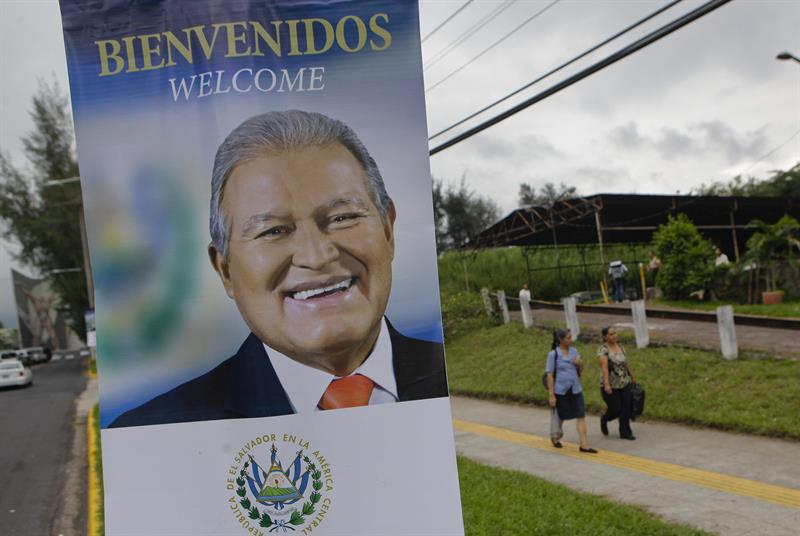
{"points": [[258, 207]]}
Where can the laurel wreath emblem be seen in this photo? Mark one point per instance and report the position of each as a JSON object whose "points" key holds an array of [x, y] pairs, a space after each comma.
{"points": [[297, 518]]}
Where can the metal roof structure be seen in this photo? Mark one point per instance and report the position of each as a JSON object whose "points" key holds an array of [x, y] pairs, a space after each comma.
{"points": [[632, 218]]}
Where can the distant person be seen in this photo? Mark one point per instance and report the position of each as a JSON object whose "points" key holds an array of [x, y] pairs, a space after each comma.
{"points": [[720, 259], [524, 293], [617, 270], [564, 386], [615, 384], [654, 266]]}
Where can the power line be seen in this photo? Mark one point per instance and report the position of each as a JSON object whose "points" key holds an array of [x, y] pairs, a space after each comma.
{"points": [[790, 138], [560, 67], [469, 32], [448, 19], [490, 47], [649, 39]]}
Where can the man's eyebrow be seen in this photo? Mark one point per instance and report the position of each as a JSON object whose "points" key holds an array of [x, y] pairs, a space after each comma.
{"points": [[345, 201], [256, 219]]}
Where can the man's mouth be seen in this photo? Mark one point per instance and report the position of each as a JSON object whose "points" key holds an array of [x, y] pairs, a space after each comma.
{"points": [[309, 294]]}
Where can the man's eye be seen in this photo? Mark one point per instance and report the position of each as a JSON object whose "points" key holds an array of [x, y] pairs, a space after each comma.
{"points": [[274, 232], [345, 218]]}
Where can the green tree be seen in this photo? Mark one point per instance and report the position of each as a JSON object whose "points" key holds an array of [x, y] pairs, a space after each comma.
{"points": [[547, 196], [780, 184], [41, 215], [771, 244], [460, 214], [9, 337], [687, 261]]}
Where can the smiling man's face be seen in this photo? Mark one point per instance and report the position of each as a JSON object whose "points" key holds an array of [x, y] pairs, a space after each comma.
{"points": [[309, 259]]}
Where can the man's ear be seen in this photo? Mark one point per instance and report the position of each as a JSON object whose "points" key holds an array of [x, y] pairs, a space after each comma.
{"points": [[391, 216], [220, 266]]}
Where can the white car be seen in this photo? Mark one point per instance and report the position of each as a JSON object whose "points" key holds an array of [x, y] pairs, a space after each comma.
{"points": [[35, 354], [14, 374]]}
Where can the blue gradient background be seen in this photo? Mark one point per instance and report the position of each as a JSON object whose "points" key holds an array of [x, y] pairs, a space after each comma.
{"points": [[162, 314]]}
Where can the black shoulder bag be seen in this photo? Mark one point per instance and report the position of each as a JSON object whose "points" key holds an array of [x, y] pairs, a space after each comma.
{"points": [[637, 394]]}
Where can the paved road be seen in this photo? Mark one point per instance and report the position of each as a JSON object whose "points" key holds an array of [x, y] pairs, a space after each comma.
{"points": [[730, 484], [36, 427]]}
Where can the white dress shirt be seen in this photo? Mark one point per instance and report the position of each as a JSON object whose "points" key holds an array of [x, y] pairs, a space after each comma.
{"points": [[305, 385]]}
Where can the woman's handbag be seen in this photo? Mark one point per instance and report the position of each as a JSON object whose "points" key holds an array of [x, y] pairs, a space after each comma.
{"points": [[637, 400]]}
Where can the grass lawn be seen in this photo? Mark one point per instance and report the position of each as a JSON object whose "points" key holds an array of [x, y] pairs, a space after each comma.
{"points": [[783, 310], [759, 396], [498, 501]]}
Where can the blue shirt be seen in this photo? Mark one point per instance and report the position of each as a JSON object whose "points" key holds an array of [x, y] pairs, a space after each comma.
{"points": [[567, 373]]}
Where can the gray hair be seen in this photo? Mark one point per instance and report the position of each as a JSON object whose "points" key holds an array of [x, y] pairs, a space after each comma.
{"points": [[276, 133]]}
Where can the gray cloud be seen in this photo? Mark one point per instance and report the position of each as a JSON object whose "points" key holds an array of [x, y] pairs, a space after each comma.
{"points": [[525, 149], [626, 136], [492, 148], [591, 179], [722, 138], [713, 138], [533, 146], [671, 143]]}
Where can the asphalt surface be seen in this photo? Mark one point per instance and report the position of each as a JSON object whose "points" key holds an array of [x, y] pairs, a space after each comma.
{"points": [[36, 433]]}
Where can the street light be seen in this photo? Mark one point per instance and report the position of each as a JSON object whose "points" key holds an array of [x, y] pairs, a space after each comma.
{"points": [[86, 261], [57, 182], [787, 56], [62, 271]]}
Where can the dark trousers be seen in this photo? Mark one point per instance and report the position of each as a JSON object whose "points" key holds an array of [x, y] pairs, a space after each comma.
{"points": [[620, 404], [619, 290]]}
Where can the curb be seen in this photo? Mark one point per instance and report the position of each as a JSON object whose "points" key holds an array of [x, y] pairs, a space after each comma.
{"points": [[94, 506]]}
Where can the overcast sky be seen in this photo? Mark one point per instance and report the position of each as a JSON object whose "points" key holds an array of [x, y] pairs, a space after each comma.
{"points": [[705, 103]]}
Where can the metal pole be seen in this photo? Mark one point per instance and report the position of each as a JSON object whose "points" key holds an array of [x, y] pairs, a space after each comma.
{"points": [[526, 253], [87, 263], [558, 254], [733, 232], [586, 280], [599, 235]]}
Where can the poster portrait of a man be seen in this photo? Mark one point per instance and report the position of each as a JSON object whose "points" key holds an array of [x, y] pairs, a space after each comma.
{"points": [[302, 239]]}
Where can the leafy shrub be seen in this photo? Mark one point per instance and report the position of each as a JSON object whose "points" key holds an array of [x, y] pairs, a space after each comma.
{"points": [[771, 249], [687, 263], [461, 310], [507, 269]]}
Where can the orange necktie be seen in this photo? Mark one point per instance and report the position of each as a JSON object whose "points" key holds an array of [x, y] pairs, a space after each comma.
{"points": [[348, 392]]}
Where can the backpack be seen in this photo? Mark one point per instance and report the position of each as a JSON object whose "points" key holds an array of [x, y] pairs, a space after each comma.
{"points": [[617, 270], [555, 367]]}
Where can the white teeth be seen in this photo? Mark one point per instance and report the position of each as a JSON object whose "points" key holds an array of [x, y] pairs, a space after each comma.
{"points": [[306, 294]]}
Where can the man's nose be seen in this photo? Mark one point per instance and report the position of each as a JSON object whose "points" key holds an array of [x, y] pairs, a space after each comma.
{"points": [[314, 249]]}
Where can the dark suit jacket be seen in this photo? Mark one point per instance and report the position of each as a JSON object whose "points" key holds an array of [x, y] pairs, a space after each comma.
{"points": [[246, 385]]}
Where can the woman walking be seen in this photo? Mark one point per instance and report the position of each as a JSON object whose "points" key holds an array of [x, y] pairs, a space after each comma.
{"points": [[615, 384], [564, 385]]}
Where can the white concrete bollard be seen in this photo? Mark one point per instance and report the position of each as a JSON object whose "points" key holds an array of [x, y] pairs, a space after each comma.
{"points": [[487, 302], [571, 314], [527, 314], [640, 324], [727, 332], [501, 300]]}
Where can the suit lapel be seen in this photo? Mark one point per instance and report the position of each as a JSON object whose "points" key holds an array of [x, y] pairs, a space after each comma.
{"points": [[254, 389], [418, 371]]}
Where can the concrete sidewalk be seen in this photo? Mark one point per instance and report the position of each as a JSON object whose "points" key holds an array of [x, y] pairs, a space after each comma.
{"points": [[773, 341], [717, 481]]}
